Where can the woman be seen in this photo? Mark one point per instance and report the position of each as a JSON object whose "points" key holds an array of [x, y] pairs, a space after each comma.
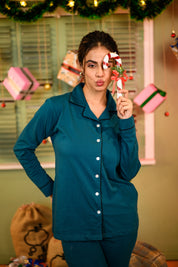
{"points": [[96, 154]]}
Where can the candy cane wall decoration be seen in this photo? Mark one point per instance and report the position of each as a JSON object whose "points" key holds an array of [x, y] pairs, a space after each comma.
{"points": [[119, 74]]}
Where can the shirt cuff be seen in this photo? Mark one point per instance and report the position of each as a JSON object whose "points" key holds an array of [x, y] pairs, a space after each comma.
{"points": [[48, 188], [125, 124]]}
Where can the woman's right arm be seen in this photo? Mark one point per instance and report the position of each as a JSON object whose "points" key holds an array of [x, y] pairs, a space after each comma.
{"points": [[39, 128]]}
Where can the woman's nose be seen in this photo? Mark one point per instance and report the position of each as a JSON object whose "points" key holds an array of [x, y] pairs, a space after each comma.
{"points": [[100, 71]]}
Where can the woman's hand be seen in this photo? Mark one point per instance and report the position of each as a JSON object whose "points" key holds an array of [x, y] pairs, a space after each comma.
{"points": [[124, 105]]}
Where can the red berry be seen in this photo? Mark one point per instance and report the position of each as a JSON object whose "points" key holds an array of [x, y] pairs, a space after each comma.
{"points": [[3, 104], [44, 141]]}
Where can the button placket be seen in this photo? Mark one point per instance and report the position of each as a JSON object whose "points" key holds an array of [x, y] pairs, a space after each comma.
{"points": [[97, 174]]}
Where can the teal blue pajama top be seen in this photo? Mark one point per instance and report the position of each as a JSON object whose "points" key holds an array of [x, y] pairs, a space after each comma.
{"points": [[95, 159]]}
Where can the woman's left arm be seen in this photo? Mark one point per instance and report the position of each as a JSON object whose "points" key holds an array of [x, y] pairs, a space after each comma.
{"points": [[129, 160]]}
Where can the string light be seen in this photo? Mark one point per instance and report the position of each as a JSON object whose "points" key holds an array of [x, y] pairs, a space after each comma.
{"points": [[23, 3], [71, 3], [95, 3], [6, 6], [142, 3]]}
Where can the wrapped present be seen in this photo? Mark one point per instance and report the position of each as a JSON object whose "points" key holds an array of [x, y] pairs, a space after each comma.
{"points": [[150, 98], [70, 70], [20, 83]]}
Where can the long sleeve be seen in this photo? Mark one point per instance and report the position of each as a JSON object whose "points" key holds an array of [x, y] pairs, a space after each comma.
{"points": [[39, 128], [129, 160]]}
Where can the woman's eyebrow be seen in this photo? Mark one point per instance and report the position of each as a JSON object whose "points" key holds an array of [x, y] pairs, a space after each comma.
{"points": [[91, 61]]}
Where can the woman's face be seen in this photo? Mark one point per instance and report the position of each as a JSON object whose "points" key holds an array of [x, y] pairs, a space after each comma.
{"points": [[96, 78]]}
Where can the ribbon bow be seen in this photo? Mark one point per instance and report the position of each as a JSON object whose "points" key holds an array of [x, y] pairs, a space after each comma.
{"points": [[118, 76]]}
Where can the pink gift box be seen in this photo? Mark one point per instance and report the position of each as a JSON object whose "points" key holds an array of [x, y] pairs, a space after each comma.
{"points": [[150, 98], [70, 70], [20, 83]]}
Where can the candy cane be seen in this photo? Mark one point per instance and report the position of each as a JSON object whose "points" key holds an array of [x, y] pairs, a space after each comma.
{"points": [[119, 64]]}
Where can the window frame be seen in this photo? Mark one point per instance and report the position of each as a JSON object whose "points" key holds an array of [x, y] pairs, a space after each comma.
{"points": [[149, 158]]}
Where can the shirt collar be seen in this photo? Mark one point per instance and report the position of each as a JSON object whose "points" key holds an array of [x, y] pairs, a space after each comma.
{"points": [[77, 97]]}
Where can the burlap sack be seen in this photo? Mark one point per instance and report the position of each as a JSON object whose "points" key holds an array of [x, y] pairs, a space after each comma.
{"points": [[145, 255], [55, 254], [31, 230]]}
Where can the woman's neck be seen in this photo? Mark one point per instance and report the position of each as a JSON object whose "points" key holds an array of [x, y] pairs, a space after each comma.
{"points": [[97, 101], [94, 97]]}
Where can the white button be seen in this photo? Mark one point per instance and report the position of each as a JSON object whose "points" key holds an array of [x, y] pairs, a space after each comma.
{"points": [[98, 140], [98, 212], [97, 125], [96, 175], [97, 194], [97, 158]]}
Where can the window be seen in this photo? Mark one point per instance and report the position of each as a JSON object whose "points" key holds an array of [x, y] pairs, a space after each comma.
{"points": [[41, 47]]}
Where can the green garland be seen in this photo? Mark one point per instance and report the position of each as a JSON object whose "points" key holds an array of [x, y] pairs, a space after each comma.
{"points": [[85, 8], [15, 11]]}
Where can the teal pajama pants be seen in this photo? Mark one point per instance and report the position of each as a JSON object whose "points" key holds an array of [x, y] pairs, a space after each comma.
{"points": [[110, 252]]}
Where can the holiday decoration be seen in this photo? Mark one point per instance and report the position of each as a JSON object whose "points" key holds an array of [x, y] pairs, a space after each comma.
{"points": [[173, 34], [150, 98], [119, 74], [166, 114], [16, 11], [3, 104], [70, 70], [20, 83], [139, 9], [55, 254], [23, 261], [47, 86], [174, 48], [31, 230]]}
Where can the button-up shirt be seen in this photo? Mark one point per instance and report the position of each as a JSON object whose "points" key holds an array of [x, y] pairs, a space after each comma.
{"points": [[95, 160]]}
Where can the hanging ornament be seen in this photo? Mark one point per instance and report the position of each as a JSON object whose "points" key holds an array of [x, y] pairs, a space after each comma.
{"points": [[150, 98], [3, 104], [173, 34], [174, 48], [130, 77], [166, 114], [20, 83], [70, 69], [47, 86], [174, 45]]}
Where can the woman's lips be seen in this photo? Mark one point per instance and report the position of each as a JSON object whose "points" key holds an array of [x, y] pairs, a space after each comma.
{"points": [[100, 83]]}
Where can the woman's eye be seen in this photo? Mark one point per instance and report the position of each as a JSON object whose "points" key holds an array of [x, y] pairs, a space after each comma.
{"points": [[91, 66]]}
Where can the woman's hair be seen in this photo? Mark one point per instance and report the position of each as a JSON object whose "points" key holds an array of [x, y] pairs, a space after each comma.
{"points": [[95, 39]]}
